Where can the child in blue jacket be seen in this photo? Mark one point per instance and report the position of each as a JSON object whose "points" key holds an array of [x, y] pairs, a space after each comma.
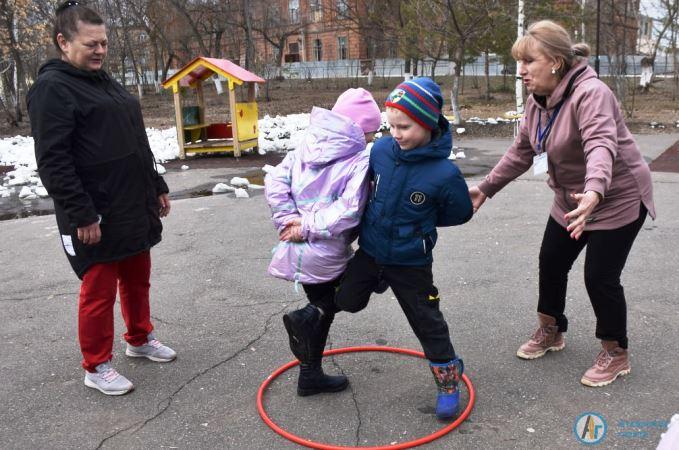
{"points": [[416, 188]]}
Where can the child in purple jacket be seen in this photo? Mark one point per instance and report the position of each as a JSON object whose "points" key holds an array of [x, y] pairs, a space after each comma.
{"points": [[317, 195]]}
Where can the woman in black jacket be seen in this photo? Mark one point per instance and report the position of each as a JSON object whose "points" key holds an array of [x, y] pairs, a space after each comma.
{"points": [[94, 159]]}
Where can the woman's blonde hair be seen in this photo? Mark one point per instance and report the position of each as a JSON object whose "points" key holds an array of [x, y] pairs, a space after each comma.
{"points": [[553, 41]]}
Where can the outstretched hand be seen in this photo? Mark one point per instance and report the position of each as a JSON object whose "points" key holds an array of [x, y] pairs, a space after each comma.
{"points": [[477, 197], [578, 218]]}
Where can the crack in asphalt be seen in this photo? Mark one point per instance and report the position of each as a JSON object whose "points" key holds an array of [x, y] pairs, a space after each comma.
{"points": [[244, 305], [353, 398], [40, 296], [164, 404], [164, 322]]}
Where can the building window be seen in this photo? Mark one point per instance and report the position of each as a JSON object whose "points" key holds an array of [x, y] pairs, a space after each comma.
{"points": [[315, 10], [318, 50], [342, 47], [293, 52], [293, 8], [392, 49], [343, 8]]}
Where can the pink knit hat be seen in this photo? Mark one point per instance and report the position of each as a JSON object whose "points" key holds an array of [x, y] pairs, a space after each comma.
{"points": [[360, 106]]}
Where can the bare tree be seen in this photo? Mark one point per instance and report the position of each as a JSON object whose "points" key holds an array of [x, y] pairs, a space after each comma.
{"points": [[467, 22], [670, 12], [23, 36], [275, 26]]}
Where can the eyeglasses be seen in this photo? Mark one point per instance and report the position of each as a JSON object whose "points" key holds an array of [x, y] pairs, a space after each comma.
{"points": [[67, 5]]}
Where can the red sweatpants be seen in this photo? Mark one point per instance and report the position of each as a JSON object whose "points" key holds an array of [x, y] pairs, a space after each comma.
{"points": [[97, 298]]}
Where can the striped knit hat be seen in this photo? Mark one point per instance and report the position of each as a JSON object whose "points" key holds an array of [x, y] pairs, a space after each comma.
{"points": [[420, 99]]}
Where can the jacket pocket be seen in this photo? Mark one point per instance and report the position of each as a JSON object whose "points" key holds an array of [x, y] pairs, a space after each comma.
{"points": [[428, 242]]}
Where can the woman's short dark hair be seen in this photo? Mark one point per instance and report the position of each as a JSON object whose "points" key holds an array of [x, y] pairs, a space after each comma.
{"points": [[66, 20]]}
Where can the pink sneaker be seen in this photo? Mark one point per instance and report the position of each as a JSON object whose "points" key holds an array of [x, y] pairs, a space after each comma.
{"points": [[609, 365], [545, 339]]}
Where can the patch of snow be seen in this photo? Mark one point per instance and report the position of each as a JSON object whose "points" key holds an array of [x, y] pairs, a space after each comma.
{"points": [[221, 188], [239, 182], [25, 192], [242, 193]]}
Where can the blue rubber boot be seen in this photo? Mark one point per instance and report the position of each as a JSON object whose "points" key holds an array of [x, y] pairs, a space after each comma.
{"points": [[447, 377]]}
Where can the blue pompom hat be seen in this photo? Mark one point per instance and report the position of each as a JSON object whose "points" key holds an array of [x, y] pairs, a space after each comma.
{"points": [[420, 99]]}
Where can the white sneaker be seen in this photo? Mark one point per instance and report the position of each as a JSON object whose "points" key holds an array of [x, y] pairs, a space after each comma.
{"points": [[107, 380], [153, 350]]}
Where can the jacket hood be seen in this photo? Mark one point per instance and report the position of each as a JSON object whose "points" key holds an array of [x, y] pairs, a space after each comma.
{"points": [[578, 74], [330, 137], [439, 148], [59, 65]]}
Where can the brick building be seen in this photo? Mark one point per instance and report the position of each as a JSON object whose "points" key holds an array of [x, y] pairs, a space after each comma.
{"points": [[323, 30], [619, 27]]}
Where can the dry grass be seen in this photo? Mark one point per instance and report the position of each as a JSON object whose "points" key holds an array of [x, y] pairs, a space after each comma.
{"points": [[661, 104]]}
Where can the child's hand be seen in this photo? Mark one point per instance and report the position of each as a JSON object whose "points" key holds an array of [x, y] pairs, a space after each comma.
{"points": [[292, 233]]}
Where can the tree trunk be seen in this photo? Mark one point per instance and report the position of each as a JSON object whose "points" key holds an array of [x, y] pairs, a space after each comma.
{"points": [[249, 43], [455, 92], [486, 73]]}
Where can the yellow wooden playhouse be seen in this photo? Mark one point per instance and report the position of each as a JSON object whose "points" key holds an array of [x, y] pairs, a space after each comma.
{"points": [[194, 134]]}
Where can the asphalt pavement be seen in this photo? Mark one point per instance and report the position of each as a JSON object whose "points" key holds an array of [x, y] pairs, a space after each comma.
{"points": [[214, 303]]}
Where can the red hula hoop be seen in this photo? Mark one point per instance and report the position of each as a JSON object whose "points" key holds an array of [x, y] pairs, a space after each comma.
{"points": [[319, 445]]}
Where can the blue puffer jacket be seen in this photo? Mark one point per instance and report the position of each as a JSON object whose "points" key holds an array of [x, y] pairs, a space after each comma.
{"points": [[413, 192]]}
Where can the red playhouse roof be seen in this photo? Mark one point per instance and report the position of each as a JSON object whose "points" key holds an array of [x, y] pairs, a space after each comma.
{"points": [[201, 68]]}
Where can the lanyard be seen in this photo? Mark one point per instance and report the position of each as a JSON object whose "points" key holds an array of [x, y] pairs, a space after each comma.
{"points": [[543, 134]]}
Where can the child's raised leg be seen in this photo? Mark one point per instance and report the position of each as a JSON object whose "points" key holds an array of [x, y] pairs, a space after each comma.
{"points": [[308, 330], [362, 277]]}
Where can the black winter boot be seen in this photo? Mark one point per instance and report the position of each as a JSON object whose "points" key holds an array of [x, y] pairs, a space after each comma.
{"points": [[302, 325], [312, 380]]}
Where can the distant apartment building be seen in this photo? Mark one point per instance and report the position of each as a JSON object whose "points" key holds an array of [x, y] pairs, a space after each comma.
{"points": [[618, 27], [645, 42], [324, 30]]}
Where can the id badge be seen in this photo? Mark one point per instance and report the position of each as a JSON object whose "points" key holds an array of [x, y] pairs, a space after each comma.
{"points": [[540, 163]]}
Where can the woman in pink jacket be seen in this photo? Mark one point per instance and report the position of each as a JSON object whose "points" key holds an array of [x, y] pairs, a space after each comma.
{"points": [[573, 130], [317, 195]]}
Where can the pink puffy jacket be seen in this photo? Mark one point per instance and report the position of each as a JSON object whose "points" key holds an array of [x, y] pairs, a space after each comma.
{"points": [[324, 183]]}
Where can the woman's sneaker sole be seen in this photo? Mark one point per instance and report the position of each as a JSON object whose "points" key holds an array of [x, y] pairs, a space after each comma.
{"points": [[133, 354], [589, 383], [536, 355], [93, 385]]}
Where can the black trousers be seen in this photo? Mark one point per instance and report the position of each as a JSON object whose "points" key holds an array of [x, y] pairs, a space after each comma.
{"points": [[323, 295], [415, 292], [606, 255]]}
